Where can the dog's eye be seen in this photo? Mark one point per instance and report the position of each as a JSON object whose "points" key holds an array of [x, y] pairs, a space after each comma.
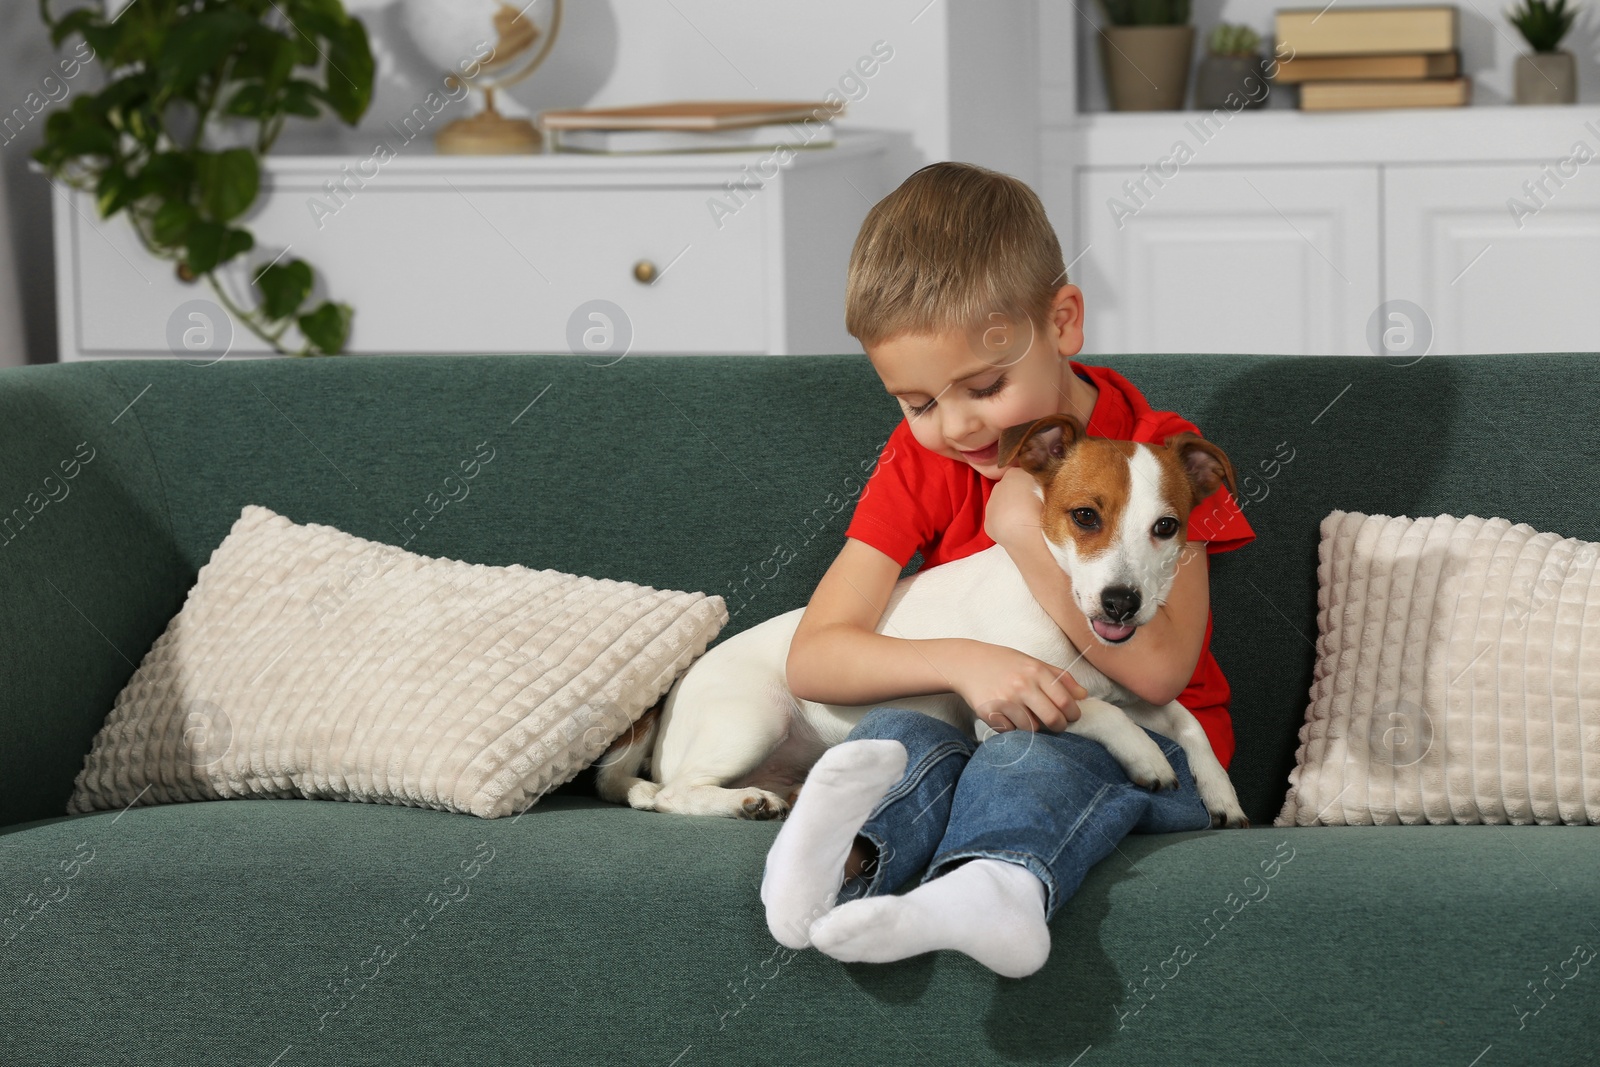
{"points": [[1165, 527], [1086, 518]]}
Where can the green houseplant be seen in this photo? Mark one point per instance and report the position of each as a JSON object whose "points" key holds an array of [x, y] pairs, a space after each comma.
{"points": [[1145, 51], [1233, 74], [183, 78], [1550, 75]]}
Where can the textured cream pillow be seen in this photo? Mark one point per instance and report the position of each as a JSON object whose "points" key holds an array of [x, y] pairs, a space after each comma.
{"points": [[1451, 655], [310, 663]]}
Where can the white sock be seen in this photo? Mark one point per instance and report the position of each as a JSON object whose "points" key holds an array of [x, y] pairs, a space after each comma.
{"points": [[990, 909], [805, 866]]}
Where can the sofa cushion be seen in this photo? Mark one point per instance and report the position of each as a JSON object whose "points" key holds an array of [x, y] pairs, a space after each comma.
{"points": [[212, 932], [1452, 658], [307, 662]]}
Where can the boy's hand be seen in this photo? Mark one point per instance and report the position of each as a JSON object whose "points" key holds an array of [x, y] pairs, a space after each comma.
{"points": [[1011, 689], [1014, 510]]}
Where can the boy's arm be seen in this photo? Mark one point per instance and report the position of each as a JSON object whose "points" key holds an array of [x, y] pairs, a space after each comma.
{"points": [[1157, 664], [837, 657]]}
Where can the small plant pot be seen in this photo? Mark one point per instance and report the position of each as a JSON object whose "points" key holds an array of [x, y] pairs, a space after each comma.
{"points": [[1547, 78], [1147, 67], [1244, 77]]}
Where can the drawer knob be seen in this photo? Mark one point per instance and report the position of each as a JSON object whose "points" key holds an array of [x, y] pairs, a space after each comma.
{"points": [[644, 271]]}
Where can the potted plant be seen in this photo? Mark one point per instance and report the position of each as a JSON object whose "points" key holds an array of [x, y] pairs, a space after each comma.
{"points": [[1231, 69], [1145, 52], [169, 138], [1548, 76]]}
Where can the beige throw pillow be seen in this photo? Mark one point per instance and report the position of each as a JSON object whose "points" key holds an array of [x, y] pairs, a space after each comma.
{"points": [[1457, 677], [307, 662]]}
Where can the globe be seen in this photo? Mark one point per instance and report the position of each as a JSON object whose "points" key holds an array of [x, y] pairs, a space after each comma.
{"points": [[486, 45]]}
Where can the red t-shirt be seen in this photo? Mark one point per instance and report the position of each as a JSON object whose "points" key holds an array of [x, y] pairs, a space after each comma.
{"points": [[917, 500]]}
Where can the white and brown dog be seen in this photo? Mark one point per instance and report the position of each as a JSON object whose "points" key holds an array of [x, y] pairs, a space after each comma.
{"points": [[732, 740]]}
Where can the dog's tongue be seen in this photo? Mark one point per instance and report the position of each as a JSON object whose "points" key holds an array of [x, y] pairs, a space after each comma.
{"points": [[1109, 630]]}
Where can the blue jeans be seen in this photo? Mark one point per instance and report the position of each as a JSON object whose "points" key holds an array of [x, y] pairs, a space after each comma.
{"points": [[1055, 803]]}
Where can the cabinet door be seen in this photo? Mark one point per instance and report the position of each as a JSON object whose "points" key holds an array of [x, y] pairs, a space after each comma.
{"points": [[1278, 260], [1495, 268]]}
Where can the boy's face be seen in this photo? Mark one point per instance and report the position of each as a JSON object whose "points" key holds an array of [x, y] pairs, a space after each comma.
{"points": [[959, 390]]}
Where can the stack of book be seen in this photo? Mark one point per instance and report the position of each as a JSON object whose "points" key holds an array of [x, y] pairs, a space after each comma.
{"points": [[1364, 57], [693, 126]]}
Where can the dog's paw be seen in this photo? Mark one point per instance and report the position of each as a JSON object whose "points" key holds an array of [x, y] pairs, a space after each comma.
{"points": [[1155, 778], [1141, 758], [1229, 820], [760, 804], [642, 795]]}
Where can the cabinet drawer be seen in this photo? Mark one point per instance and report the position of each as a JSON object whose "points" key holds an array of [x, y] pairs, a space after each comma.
{"points": [[466, 266]]}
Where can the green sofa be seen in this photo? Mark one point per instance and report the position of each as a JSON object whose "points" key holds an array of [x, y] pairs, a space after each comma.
{"points": [[291, 932]]}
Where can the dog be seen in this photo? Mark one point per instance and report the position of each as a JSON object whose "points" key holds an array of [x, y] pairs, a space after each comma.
{"points": [[729, 738]]}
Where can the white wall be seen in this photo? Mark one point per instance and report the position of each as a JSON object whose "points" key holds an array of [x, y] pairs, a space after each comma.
{"points": [[940, 91]]}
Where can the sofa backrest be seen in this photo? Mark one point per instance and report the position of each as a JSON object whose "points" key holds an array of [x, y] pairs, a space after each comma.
{"points": [[727, 474]]}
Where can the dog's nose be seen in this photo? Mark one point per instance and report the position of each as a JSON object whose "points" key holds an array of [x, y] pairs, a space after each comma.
{"points": [[1120, 602]]}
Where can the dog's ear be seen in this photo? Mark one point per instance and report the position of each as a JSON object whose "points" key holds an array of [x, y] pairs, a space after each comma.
{"points": [[1206, 464], [1038, 447]]}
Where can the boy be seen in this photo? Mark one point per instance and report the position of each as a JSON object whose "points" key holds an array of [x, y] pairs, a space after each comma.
{"points": [[953, 293]]}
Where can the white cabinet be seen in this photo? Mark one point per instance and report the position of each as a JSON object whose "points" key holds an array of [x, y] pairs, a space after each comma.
{"points": [[1285, 231], [445, 254], [1217, 259], [1502, 258]]}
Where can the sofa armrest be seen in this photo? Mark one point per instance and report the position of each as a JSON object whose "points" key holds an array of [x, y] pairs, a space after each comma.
{"points": [[89, 572]]}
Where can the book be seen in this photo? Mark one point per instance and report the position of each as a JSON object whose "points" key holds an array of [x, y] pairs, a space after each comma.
{"points": [[737, 139], [1428, 92], [1368, 68], [688, 115], [1332, 31]]}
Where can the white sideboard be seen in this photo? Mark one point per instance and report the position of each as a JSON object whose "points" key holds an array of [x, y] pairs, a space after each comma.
{"points": [[507, 254], [1279, 231]]}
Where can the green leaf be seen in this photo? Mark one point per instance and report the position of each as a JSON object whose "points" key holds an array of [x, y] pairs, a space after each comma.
{"points": [[171, 224], [315, 20], [249, 102], [326, 9], [107, 41], [349, 73], [196, 44], [87, 110], [305, 50], [114, 191], [235, 242], [145, 126], [211, 244], [205, 245], [169, 175], [73, 22], [229, 182], [81, 139], [267, 56], [300, 98], [328, 327], [285, 287], [133, 89]]}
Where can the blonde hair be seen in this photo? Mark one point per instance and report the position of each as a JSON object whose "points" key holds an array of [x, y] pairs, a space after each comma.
{"points": [[953, 245]]}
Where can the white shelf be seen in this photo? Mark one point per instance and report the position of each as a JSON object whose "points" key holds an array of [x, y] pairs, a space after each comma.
{"points": [[417, 159], [1290, 137]]}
